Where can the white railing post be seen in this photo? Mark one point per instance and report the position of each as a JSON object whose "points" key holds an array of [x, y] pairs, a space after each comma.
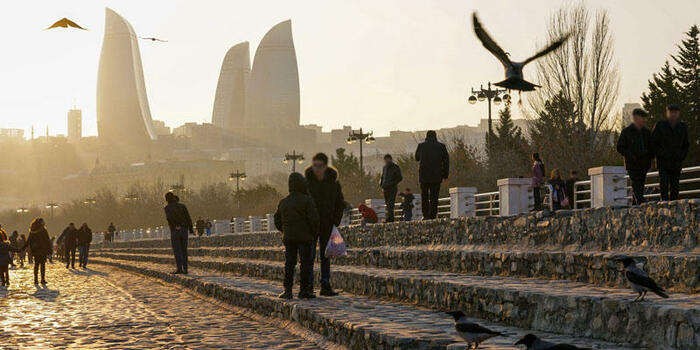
{"points": [[462, 202], [238, 225], [608, 186], [378, 206], [515, 196], [220, 227], [417, 207], [270, 223], [255, 223]]}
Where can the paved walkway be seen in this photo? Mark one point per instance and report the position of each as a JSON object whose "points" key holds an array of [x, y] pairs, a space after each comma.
{"points": [[104, 307]]}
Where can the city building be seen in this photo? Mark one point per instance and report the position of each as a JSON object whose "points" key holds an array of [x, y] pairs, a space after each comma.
{"points": [[75, 125], [201, 136], [229, 101], [160, 128], [124, 121], [273, 93]]}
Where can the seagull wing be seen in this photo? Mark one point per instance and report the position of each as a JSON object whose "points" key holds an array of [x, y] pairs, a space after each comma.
{"points": [[64, 23], [473, 328], [552, 46], [488, 43], [73, 24]]}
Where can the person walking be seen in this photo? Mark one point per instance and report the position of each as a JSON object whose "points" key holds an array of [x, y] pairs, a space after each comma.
{"points": [[434, 168], [207, 227], [180, 224], [199, 226], [634, 145], [298, 220], [14, 242], [389, 181], [407, 204], [558, 189], [40, 245], [670, 144], [537, 179], [111, 229], [84, 240], [22, 253], [327, 194], [69, 237], [6, 249]]}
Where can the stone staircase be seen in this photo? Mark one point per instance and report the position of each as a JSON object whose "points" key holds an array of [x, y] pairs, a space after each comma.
{"points": [[556, 276]]}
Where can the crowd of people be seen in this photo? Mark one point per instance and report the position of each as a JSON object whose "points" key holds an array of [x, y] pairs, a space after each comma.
{"points": [[38, 247]]}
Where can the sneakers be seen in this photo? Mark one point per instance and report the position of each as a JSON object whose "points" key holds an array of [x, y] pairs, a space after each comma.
{"points": [[286, 295], [327, 291]]}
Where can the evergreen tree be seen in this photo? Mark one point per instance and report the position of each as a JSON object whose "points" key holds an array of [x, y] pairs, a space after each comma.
{"points": [[507, 154], [663, 90]]}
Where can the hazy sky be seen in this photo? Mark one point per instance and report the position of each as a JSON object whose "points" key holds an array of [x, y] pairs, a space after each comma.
{"points": [[377, 64]]}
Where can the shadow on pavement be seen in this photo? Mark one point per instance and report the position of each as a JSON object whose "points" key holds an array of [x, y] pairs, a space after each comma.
{"points": [[87, 272], [44, 293]]}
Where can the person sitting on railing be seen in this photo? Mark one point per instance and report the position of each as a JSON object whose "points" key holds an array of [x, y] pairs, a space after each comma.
{"points": [[407, 204], [558, 194], [635, 145], [369, 216]]}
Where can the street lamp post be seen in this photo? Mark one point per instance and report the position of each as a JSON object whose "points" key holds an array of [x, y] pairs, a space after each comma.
{"points": [[22, 210], [89, 201], [354, 136], [52, 206], [294, 158], [131, 197], [238, 176], [490, 95]]}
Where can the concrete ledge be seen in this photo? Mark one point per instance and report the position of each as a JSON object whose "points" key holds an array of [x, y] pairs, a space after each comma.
{"points": [[558, 306]]}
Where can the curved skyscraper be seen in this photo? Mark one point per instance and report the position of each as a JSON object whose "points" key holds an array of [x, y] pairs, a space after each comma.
{"points": [[273, 93], [124, 121], [229, 102]]}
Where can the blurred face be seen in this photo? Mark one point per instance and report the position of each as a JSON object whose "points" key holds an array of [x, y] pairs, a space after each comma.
{"points": [[319, 169], [387, 160], [639, 121], [673, 116]]}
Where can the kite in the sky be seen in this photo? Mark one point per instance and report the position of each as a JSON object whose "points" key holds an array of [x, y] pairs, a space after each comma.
{"points": [[514, 70], [154, 39], [65, 23]]}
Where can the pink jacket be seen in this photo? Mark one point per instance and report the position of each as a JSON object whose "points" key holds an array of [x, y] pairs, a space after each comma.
{"points": [[537, 175]]}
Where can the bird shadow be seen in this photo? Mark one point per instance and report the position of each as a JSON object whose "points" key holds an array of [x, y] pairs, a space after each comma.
{"points": [[88, 272], [44, 293]]}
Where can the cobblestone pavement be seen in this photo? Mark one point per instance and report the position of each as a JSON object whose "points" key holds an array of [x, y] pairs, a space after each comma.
{"points": [[104, 307]]}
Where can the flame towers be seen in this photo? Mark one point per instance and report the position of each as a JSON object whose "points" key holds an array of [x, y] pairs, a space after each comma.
{"points": [[229, 102], [123, 116]]}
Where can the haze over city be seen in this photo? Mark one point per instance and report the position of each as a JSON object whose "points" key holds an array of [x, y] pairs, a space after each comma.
{"points": [[384, 65]]}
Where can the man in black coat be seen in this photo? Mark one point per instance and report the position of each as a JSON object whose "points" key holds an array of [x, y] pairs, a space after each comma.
{"points": [[325, 189], [635, 145], [670, 143], [434, 168], [69, 237], [391, 176], [297, 218], [180, 224]]}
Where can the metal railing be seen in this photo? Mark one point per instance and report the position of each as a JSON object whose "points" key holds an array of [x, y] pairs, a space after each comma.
{"points": [[582, 194], [650, 189], [487, 204]]}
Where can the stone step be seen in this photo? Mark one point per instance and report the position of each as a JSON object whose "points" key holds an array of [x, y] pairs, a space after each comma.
{"points": [[355, 321], [680, 272], [564, 307]]}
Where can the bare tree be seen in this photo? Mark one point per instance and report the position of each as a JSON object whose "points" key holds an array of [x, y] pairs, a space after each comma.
{"points": [[584, 73]]}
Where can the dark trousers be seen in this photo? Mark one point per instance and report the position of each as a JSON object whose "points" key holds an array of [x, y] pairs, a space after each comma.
{"points": [[70, 256], [325, 262], [39, 264], [670, 177], [390, 201], [537, 197], [407, 212], [84, 251], [303, 251], [178, 238], [638, 179], [430, 193]]}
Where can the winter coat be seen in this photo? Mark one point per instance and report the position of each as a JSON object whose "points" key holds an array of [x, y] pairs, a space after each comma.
{"points": [[178, 217], [84, 236], [328, 197], [537, 174], [670, 144], [296, 214], [5, 249], [200, 226], [434, 161], [391, 176], [368, 213], [39, 243], [635, 145], [14, 238], [407, 200], [69, 237]]}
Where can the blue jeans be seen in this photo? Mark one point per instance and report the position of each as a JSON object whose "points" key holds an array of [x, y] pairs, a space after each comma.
{"points": [[325, 262], [84, 251], [179, 240], [304, 252]]}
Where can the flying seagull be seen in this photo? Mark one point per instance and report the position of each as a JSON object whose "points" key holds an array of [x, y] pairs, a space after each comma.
{"points": [[532, 342], [514, 70], [640, 281], [65, 23], [471, 332], [154, 39]]}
